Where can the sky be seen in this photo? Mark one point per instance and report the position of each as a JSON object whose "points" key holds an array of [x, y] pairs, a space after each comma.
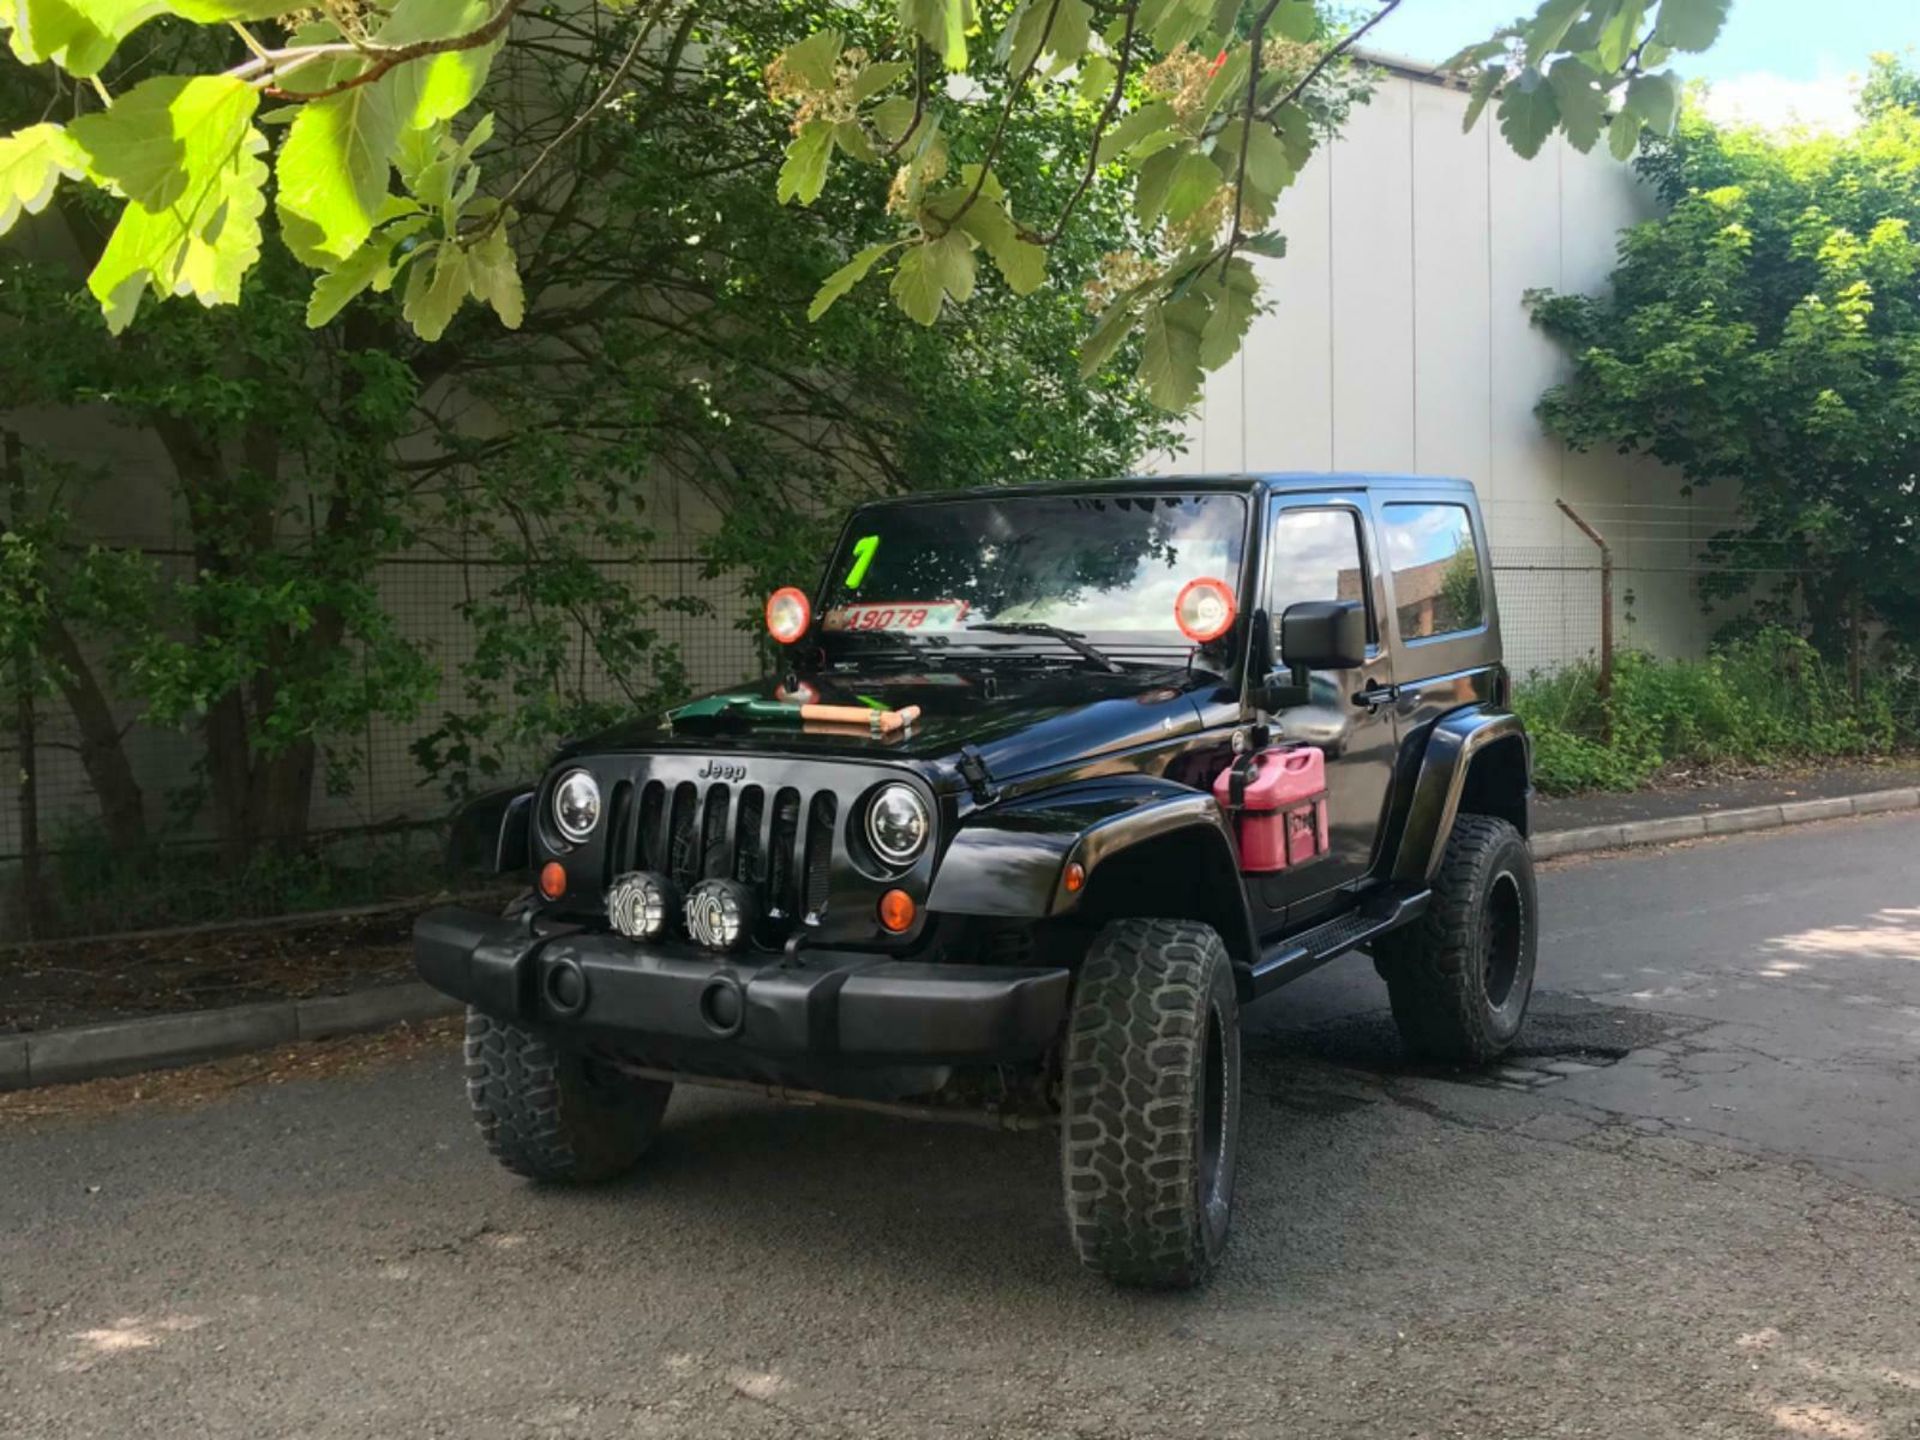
{"points": [[1769, 66]]}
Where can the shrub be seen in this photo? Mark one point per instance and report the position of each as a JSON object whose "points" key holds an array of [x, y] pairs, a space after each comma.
{"points": [[1765, 698]]}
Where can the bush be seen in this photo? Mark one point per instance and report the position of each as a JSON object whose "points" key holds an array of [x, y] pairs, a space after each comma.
{"points": [[1767, 698]]}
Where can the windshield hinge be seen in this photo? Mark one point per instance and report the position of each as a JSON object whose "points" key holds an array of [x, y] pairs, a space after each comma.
{"points": [[973, 770]]}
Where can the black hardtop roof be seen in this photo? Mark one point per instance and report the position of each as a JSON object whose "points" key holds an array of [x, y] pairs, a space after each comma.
{"points": [[1248, 483]]}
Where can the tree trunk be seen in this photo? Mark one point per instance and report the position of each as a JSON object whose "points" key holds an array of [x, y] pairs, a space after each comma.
{"points": [[102, 753]]}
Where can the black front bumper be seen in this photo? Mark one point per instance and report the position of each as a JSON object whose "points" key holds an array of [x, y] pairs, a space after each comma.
{"points": [[825, 1004]]}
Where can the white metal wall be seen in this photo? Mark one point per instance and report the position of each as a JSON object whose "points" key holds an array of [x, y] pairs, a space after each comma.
{"points": [[1398, 340]]}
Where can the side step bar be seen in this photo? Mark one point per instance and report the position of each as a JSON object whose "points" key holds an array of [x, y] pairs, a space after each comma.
{"points": [[1297, 955]]}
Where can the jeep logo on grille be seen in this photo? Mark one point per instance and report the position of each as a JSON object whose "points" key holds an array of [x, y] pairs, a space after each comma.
{"points": [[722, 770]]}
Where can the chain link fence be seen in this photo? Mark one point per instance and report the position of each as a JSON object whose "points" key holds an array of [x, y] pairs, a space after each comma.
{"points": [[376, 833]]}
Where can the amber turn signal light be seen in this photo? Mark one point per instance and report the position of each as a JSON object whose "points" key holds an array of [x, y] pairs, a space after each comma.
{"points": [[1076, 877], [896, 910], [553, 880]]}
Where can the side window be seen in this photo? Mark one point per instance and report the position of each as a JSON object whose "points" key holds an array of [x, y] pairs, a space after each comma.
{"points": [[1316, 555], [1436, 569]]}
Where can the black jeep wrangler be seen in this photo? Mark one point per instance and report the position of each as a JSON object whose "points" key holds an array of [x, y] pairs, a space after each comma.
{"points": [[1049, 784]]}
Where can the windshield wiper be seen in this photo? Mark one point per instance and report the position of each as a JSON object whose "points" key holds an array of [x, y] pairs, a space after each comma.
{"points": [[1072, 639]]}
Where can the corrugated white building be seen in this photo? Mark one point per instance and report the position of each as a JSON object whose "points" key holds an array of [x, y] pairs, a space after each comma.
{"points": [[1398, 340]]}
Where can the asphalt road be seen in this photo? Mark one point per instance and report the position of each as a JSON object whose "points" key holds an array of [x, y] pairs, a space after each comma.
{"points": [[1710, 1229]]}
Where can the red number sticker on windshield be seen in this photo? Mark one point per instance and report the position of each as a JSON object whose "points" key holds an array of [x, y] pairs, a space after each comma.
{"points": [[897, 615]]}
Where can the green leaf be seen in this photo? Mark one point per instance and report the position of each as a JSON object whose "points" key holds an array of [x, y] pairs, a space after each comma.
{"points": [[851, 138], [1656, 100], [1229, 79], [1029, 36], [437, 286], [1115, 324], [892, 116], [1583, 105], [1268, 169], [1623, 134], [1484, 84], [943, 24], [1132, 128], [1528, 112], [951, 258], [1690, 24], [31, 164], [334, 288], [1297, 20], [1620, 34], [1184, 20], [218, 12], [1195, 180], [78, 35], [917, 286], [1549, 27], [804, 174], [846, 277], [201, 244], [1295, 128], [811, 61], [334, 167], [1226, 15], [1022, 264], [1272, 243], [495, 274], [438, 87], [154, 140], [1095, 82], [1234, 302], [1170, 352], [1156, 174], [877, 77]]}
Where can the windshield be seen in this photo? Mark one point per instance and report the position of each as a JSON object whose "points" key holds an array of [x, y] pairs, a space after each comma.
{"points": [[1107, 566]]}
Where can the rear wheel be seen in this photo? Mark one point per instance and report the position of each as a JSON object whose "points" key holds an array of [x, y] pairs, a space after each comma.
{"points": [[552, 1114], [1152, 1103], [1459, 978]]}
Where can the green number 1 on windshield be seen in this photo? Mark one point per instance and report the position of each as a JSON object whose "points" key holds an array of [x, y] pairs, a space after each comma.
{"points": [[863, 549]]}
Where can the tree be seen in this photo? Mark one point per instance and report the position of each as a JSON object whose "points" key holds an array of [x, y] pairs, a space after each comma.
{"points": [[662, 343], [1207, 108], [1764, 332]]}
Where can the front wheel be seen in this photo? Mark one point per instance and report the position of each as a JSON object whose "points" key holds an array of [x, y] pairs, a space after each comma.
{"points": [[1460, 976], [549, 1113], [1151, 1100]]}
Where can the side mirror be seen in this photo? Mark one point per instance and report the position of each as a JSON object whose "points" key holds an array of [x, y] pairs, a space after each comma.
{"points": [[1324, 635]]}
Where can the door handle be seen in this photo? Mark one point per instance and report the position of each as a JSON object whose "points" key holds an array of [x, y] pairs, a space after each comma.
{"points": [[1374, 696]]}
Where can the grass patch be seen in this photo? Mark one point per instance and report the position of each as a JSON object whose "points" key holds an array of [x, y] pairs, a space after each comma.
{"points": [[1765, 699]]}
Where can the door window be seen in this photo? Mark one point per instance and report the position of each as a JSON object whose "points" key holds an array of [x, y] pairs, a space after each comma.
{"points": [[1316, 556], [1436, 569]]}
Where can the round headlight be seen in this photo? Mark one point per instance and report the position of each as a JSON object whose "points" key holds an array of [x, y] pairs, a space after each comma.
{"points": [[897, 824], [576, 805]]}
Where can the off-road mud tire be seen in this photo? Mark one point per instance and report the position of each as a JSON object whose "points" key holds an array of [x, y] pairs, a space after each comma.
{"points": [[1151, 1099], [549, 1113], [1459, 978]]}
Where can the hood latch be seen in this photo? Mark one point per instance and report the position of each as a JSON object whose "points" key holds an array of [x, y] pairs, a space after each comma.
{"points": [[973, 770]]}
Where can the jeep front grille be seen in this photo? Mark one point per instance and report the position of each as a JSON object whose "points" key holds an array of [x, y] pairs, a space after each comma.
{"points": [[719, 831]]}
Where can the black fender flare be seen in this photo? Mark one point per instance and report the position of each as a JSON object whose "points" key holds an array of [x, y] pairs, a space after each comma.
{"points": [[1011, 860], [491, 834], [1441, 785]]}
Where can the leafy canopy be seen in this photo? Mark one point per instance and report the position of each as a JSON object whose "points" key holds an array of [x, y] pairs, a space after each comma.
{"points": [[1764, 332], [1207, 109]]}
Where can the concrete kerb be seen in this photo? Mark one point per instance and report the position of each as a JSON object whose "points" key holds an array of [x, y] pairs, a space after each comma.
{"points": [[90, 1051], [1551, 843]]}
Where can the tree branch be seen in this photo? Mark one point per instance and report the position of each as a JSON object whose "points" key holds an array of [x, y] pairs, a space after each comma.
{"points": [[265, 68]]}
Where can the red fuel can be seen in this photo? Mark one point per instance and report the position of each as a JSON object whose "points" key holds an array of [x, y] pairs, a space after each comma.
{"points": [[1281, 818]]}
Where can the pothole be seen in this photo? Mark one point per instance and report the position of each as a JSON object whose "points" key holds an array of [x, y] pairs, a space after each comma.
{"points": [[1564, 1036]]}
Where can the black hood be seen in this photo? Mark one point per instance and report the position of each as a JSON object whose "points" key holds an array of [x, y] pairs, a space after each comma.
{"points": [[1020, 717]]}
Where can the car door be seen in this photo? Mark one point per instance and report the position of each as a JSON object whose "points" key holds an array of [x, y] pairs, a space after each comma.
{"points": [[1317, 549]]}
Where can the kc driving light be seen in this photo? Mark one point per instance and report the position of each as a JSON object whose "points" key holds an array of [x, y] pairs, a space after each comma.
{"points": [[897, 824], [720, 913], [576, 805], [639, 904]]}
